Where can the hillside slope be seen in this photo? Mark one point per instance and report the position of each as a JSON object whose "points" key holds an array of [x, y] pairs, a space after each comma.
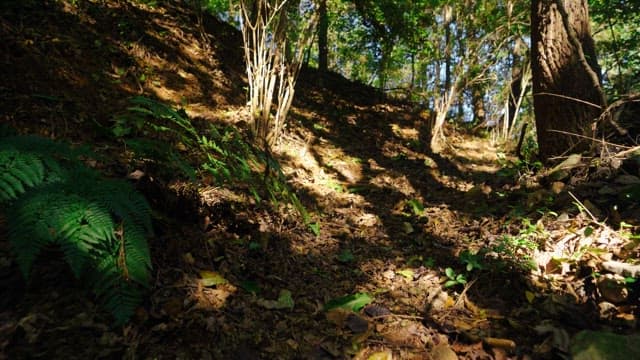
{"points": [[397, 222]]}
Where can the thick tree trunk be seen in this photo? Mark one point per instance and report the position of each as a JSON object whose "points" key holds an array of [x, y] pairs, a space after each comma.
{"points": [[567, 93]]}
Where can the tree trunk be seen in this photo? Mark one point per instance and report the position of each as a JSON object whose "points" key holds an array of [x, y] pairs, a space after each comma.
{"points": [[566, 83], [477, 100], [518, 57], [323, 29]]}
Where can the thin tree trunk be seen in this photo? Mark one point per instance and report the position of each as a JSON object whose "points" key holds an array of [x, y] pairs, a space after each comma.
{"points": [[323, 29]]}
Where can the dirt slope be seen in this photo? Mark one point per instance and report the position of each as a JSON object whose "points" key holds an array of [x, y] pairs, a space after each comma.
{"points": [[393, 215]]}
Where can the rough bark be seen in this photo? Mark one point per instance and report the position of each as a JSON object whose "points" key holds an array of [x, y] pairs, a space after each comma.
{"points": [[566, 84]]}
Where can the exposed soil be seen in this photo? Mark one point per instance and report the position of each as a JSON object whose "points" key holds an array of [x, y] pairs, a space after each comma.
{"points": [[393, 215]]}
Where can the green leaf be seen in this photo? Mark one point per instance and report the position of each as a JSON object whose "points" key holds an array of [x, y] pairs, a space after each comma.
{"points": [[211, 278], [353, 302], [588, 231], [407, 273], [285, 300], [315, 228], [450, 273], [416, 207], [450, 283]]}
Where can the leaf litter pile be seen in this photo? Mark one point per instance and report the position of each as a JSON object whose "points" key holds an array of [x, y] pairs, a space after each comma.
{"points": [[460, 254]]}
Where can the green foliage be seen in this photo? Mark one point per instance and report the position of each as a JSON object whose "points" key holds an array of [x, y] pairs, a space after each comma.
{"points": [[51, 198], [518, 249], [453, 278], [223, 153], [354, 302], [516, 168], [416, 207], [472, 261], [615, 30]]}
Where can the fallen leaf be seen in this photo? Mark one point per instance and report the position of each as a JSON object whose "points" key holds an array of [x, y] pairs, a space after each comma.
{"points": [[407, 273], [211, 278], [356, 324], [338, 316], [381, 355], [443, 352], [530, 296], [407, 228]]}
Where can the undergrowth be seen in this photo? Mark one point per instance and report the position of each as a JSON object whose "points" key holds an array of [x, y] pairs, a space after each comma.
{"points": [[50, 198], [152, 128]]}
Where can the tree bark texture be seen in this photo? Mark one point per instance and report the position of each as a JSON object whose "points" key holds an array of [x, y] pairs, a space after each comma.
{"points": [[566, 83]]}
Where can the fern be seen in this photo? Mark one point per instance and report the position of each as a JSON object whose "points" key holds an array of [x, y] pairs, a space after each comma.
{"points": [[223, 153], [101, 225]]}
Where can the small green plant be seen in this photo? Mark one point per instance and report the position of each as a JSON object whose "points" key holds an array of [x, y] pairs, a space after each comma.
{"points": [[454, 279], [516, 249], [514, 168], [416, 207], [419, 260], [472, 261], [50, 198]]}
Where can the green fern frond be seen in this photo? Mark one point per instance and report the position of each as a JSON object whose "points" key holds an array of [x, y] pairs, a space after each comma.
{"points": [[136, 254], [101, 225], [86, 234], [125, 203], [18, 170], [30, 228], [117, 295], [159, 153], [156, 109]]}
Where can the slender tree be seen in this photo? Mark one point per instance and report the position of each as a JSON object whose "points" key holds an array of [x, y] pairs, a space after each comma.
{"points": [[323, 29], [272, 63], [568, 96]]}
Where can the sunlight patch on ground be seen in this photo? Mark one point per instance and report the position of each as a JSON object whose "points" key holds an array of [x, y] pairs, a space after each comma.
{"points": [[406, 133], [473, 154], [226, 114], [324, 171], [400, 184]]}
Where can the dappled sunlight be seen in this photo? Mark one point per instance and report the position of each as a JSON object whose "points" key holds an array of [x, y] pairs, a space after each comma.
{"points": [[432, 251], [474, 155], [398, 183], [405, 133]]}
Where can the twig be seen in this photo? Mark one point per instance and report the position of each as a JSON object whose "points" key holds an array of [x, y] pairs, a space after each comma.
{"points": [[569, 98], [585, 209], [628, 151], [410, 317], [603, 142]]}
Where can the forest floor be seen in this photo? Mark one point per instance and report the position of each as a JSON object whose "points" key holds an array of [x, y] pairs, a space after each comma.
{"points": [[460, 254]]}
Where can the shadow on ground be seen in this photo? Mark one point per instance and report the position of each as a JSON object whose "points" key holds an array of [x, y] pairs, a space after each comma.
{"points": [[66, 70]]}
